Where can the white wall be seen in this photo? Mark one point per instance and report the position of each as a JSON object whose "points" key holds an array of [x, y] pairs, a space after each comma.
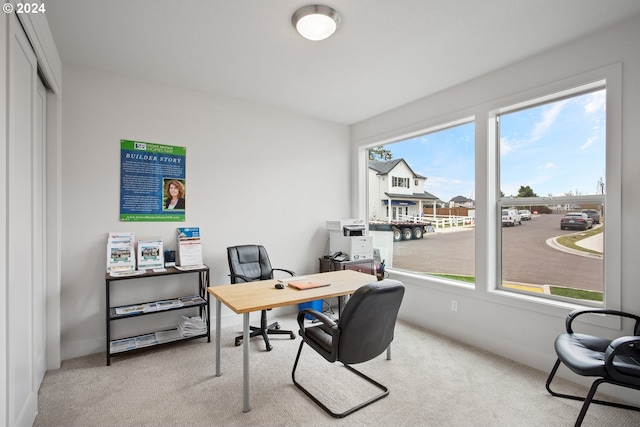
{"points": [[499, 323], [255, 175]]}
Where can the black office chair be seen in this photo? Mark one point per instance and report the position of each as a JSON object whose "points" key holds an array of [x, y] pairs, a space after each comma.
{"points": [[248, 263], [611, 361], [363, 332]]}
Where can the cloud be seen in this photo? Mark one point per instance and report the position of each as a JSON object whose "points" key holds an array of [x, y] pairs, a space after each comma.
{"points": [[549, 116], [589, 142], [596, 102], [546, 166], [506, 146]]}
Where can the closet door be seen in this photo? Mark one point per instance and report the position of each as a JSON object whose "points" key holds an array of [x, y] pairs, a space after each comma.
{"points": [[22, 189], [39, 236]]}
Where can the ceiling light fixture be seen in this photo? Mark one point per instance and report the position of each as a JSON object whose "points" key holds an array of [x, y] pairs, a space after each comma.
{"points": [[315, 22]]}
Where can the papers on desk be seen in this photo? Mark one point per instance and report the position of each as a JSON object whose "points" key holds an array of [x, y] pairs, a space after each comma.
{"points": [[306, 284]]}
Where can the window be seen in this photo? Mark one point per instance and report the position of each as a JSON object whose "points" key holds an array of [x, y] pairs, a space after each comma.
{"points": [[552, 157], [509, 132], [400, 182], [418, 231]]}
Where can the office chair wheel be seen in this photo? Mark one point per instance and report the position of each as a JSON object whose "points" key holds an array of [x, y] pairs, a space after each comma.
{"points": [[238, 341], [293, 336], [277, 326]]}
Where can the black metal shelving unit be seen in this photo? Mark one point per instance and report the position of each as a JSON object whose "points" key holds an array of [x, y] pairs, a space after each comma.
{"points": [[201, 302]]}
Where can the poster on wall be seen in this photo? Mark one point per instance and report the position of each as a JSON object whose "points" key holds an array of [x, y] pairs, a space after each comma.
{"points": [[152, 182]]}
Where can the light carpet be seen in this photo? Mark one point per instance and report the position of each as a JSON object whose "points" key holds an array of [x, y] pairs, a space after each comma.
{"points": [[433, 381]]}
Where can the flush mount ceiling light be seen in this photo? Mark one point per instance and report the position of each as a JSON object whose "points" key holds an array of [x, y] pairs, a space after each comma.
{"points": [[315, 22]]}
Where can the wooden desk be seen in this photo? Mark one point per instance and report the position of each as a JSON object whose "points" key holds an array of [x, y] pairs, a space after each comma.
{"points": [[244, 298]]}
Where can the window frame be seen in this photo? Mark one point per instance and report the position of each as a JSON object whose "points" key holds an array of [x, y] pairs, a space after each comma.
{"points": [[517, 202], [483, 114], [611, 78]]}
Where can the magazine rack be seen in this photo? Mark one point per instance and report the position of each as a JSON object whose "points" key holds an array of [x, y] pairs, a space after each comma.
{"points": [[199, 300]]}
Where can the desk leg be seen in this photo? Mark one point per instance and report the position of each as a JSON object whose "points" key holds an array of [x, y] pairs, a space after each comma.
{"points": [[245, 365], [218, 320]]}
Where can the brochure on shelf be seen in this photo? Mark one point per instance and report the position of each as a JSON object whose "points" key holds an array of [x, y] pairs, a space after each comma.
{"points": [[122, 345], [159, 305], [121, 254], [189, 246], [167, 304], [190, 267], [170, 335], [150, 254], [192, 300], [124, 273], [146, 340], [131, 309]]}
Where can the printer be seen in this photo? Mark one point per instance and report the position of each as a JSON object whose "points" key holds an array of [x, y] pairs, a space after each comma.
{"points": [[349, 236]]}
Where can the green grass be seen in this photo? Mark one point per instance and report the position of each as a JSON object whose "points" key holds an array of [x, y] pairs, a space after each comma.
{"points": [[570, 240], [576, 293], [468, 279], [555, 290]]}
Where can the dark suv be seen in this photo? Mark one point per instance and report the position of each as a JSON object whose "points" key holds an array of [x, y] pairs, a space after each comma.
{"points": [[593, 214]]}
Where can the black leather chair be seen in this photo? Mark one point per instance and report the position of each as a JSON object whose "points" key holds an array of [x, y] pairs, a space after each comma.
{"points": [[248, 263], [363, 332], [610, 361]]}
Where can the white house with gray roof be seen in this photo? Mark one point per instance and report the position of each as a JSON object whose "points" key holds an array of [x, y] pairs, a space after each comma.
{"points": [[396, 191]]}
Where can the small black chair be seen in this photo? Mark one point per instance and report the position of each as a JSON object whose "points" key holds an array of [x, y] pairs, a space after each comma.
{"points": [[248, 263], [611, 361], [363, 332]]}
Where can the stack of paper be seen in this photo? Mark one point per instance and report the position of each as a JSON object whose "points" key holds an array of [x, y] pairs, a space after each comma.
{"points": [[121, 254], [189, 246], [191, 326], [150, 254]]}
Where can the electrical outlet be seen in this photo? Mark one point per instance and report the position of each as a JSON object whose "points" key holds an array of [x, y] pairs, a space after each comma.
{"points": [[454, 305]]}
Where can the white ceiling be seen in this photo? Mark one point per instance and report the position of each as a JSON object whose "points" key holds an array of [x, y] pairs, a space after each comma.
{"points": [[385, 53]]}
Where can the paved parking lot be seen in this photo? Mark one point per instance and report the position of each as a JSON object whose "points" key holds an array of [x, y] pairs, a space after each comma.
{"points": [[527, 256]]}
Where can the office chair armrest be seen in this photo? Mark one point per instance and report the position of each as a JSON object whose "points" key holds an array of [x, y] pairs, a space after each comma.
{"points": [[326, 320], [622, 359], [286, 271], [245, 278], [580, 311], [619, 344]]}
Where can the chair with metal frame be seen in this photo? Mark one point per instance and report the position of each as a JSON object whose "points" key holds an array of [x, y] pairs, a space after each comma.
{"points": [[249, 263], [610, 361], [363, 332]]}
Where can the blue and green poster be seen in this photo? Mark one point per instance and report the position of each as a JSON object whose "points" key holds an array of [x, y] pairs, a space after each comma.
{"points": [[152, 181]]}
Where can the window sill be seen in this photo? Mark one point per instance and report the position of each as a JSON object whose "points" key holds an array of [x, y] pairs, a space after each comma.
{"points": [[544, 306]]}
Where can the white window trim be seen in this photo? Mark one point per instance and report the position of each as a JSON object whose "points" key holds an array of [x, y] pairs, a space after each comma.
{"points": [[612, 246], [486, 245]]}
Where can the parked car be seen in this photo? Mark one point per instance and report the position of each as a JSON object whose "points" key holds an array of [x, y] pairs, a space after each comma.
{"points": [[525, 214], [593, 214], [511, 217], [579, 220]]}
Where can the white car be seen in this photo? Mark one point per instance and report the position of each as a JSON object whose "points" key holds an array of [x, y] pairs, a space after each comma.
{"points": [[525, 214], [511, 217]]}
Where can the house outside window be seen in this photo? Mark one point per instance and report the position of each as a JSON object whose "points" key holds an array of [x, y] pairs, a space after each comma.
{"points": [[417, 215]]}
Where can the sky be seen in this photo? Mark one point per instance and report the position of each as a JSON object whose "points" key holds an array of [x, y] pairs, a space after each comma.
{"points": [[556, 149]]}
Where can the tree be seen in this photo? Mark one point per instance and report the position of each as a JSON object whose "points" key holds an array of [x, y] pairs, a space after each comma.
{"points": [[381, 153], [526, 192]]}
